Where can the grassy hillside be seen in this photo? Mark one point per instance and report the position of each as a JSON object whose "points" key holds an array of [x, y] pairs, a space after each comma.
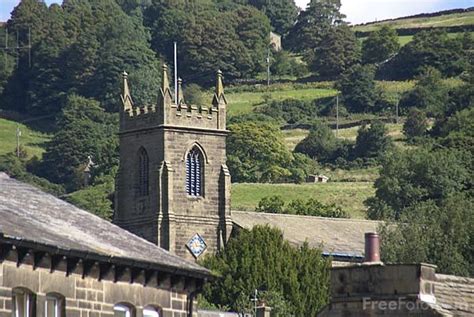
{"points": [[30, 140], [244, 102], [348, 195], [446, 20]]}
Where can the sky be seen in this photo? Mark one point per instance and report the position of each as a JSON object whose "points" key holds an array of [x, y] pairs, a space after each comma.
{"points": [[357, 11]]}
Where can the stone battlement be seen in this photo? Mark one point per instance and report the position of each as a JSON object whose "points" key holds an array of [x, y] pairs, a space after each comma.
{"points": [[169, 113]]}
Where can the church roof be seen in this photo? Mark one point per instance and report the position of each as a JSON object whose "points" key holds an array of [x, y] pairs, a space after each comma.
{"points": [[341, 238], [33, 217]]}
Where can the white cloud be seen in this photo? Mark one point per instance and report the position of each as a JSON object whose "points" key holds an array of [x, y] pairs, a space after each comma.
{"points": [[359, 11]]}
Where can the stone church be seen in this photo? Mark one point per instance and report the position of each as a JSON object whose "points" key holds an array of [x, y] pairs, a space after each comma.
{"points": [[173, 185]]}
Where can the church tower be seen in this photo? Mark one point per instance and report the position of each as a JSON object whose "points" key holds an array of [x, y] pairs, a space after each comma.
{"points": [[173, 185]]}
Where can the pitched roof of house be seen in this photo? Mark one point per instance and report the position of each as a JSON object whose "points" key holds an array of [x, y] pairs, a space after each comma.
{"points": [[454, 295], [341, 238], [35, 217]]}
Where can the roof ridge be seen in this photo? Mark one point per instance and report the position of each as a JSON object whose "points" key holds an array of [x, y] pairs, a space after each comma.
{"points": [[457, 278], [309, 217]]}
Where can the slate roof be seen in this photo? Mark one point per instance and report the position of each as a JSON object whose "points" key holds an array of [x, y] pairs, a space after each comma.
{"points": [[454, 295], [31, 215], [341, 238]]}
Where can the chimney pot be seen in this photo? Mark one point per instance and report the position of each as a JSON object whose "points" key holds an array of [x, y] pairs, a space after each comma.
{"points": [[372, 248]]}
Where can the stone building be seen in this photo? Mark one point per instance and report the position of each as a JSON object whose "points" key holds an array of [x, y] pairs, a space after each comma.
{"points": [[397, 290], [173, 185], [57, 260]]}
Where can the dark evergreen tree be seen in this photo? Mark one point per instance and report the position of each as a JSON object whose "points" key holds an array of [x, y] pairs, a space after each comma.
{"points": [[313, 24], [380, 45], [428, 49], [358, 90], [321, 143], [416, 124], [83, 130], [282, 13], [429, 94], [262, 259], [372, 142]]}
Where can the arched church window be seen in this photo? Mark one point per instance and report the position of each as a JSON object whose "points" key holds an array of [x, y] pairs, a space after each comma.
{"points": [[194, 172], [143, 173]]}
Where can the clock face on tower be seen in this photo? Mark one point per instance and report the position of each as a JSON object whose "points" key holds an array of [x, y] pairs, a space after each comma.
{"points": [[196, 245]]}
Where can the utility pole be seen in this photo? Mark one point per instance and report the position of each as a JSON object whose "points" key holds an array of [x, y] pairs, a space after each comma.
{"points": [[254, 299], [18, 135], [176, 73], [396, 112], [337, 116], [268, 67], [29, 46]]}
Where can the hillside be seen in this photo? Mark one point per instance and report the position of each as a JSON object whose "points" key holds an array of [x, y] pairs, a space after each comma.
{"points": [[30, 140], [450, 19]]}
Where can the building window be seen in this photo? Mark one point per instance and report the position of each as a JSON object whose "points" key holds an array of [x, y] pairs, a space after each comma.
{"points": [[143, 173], [194, 172], [150, 311], [54, 306], [23, 303], [121, 310]]}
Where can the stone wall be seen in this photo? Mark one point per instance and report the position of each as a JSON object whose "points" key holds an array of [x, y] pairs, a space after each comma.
{"points": [[86, 297], [381, 290]]}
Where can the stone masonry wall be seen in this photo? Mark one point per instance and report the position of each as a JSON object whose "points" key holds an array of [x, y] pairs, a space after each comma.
{"points": [[85, 297]]}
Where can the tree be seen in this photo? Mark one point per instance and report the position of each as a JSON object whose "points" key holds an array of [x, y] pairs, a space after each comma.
{"points": [[261, 259], [380, 45], [320, 144], [416, 124], [313, 24], [429, 232], [281, 13], [337, 51], [372, 142], [83, 130], [420, 175], [256, 152], [428, 49], [429, 94], [358, 90], [234, 40]]}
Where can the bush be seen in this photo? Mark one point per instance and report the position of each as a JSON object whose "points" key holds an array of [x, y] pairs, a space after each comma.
{"points": [[416, 125], [194, 95], [372, 142], [18, 168], [310, 207], [320, 144], [429, 94], [271, 204], [291, 111]]}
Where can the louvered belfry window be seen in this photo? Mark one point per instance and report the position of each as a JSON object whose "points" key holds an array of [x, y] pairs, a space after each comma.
{"points": [[194, 172], [143, 173]]}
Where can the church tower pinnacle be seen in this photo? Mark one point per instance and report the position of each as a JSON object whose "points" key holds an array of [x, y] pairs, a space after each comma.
{"points": [[173, 185]]}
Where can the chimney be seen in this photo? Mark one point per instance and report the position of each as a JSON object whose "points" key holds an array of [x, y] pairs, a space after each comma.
{"points": [[372, 248]]}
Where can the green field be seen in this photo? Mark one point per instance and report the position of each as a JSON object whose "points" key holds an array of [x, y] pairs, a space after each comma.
{"points": [[30, 140], [244, 102], [348, 195], [447, 20]]}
